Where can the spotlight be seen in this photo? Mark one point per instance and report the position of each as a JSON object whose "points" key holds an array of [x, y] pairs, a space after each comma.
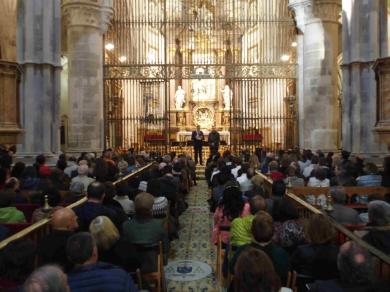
{"points": [[294, 44], [110, 46], [285, 58], [122, 59]]}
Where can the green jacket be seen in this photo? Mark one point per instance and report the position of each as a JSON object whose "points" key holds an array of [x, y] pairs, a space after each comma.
{"points": [[11, 215]]}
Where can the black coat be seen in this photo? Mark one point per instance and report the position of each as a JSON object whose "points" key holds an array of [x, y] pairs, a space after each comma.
{"points": [[197, 143]]}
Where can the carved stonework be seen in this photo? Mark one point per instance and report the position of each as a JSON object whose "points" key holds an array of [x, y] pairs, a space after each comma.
{"points": [[204, 116], [315, 10], [327, 10], [89, 13], [213, 72], [382, 70], [9, 102]]}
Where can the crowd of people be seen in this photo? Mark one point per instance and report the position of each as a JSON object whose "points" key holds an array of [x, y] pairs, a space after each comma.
{"points": [[101, 243], [253, 224]]}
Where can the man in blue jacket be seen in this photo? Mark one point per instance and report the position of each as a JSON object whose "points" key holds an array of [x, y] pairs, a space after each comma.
{"points": [[89, 274]]}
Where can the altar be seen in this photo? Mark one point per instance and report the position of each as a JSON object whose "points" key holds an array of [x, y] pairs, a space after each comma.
{"points": [[184, 136]]}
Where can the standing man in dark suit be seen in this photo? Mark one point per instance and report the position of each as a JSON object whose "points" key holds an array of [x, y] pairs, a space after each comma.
{"points": [[197, 138], [214, 140]]}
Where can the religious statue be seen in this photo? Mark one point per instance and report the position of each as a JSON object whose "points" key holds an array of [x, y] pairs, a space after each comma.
{"points": [[179, 98], [199, 90], [227, 94]]}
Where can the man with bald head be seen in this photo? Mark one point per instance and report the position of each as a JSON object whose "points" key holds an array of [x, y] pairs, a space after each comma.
{"points": [[51, 249], [356, 272]]}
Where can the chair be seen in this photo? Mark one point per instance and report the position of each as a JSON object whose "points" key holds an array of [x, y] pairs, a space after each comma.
{"points": [[156, 276], [292, 280], [219, 258], [220, 255], [27, 209]]}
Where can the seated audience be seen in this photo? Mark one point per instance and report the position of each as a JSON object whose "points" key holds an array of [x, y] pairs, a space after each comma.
{"points": [[356, 272], [262, 231], [317, 259], [341, 213], [122, 197], [240, 229], [275, 174], [371, 178], [12, 188], [17, 170], [43, 169], [278, 191], [111, 247], [144, 229], [8, 213], [48, 278], [237, 166], [244, 178], [82, 176], [231, 206], [255, 272], [377, 232], [29, 180], [308, 170], [89, 274], [16, 263], [288, 228], [169, 184], [319, 179], [217, 191], [94, 207], [51, 247], [292, 178], [386, 172], [343, 175], [76, 192], [71, 167]]}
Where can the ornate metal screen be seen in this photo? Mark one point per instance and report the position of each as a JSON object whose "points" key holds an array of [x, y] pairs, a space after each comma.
{"points": [[173, 64]]}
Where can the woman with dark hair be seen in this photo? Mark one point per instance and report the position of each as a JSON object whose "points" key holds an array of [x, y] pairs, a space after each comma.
{"points": [[100, 171], [386, 172], [288, 228], [319, 181], [318, 258], [18, 169], [251, 276], [231, 206], [61, 162], [29, 179]]}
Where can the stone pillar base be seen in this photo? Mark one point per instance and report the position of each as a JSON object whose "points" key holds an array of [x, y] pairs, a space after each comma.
{"points": [[323, 139]]}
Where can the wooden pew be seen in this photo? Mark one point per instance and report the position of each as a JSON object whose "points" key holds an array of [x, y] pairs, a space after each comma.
{"points": [[41, 228], [381, 261]]}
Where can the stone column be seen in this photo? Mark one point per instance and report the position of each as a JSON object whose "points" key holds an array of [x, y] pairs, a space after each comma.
{"points": [[86, 21], [318, 49], [364, 40], [38, 50]]}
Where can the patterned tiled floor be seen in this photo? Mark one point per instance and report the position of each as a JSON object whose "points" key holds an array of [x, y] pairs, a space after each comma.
{"points": [[194, 242]]}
